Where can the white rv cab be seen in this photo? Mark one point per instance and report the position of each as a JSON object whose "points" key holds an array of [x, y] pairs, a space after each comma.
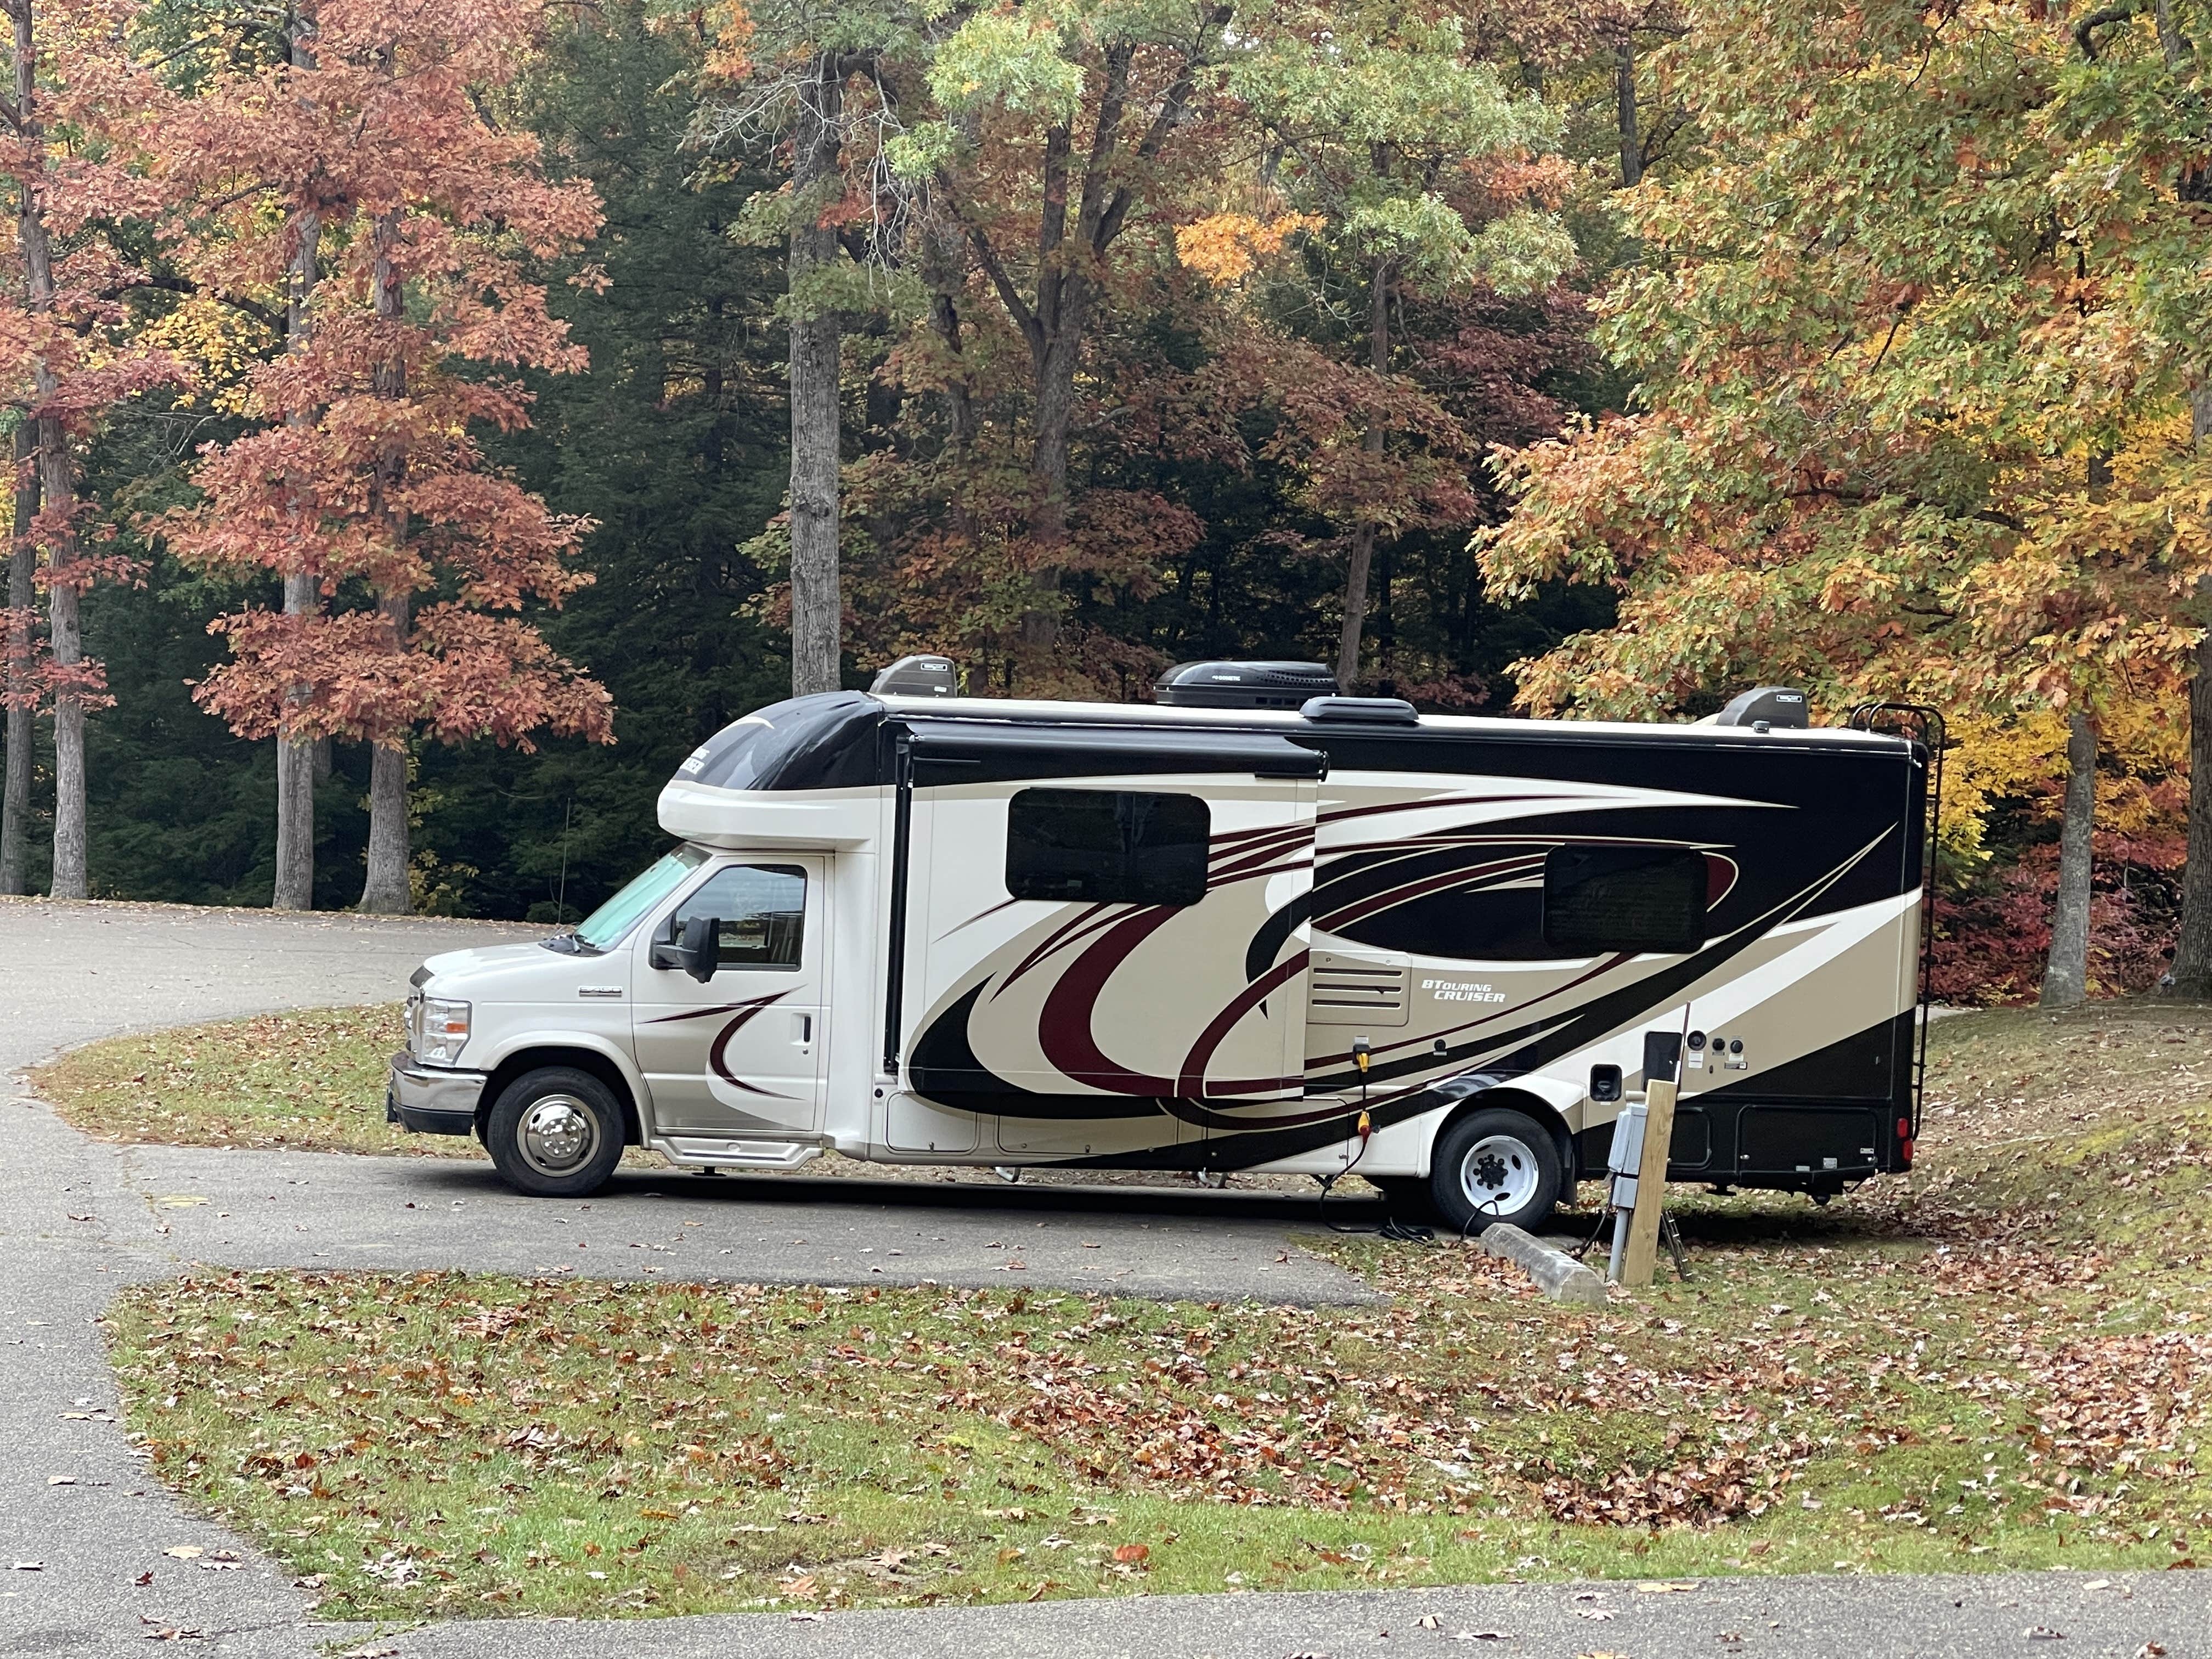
{"points": [[1249, 927]]}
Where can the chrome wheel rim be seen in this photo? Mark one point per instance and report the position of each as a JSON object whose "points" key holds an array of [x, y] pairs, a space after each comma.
{"points": [[559, 1134], [1500, 1175]]}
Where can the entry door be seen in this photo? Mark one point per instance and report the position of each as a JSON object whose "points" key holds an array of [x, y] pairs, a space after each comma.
{"points": [[1113, 958], [741, 1054]]}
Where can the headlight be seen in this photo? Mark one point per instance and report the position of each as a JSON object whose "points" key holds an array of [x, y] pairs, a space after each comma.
{"points": [[443, 1031]]}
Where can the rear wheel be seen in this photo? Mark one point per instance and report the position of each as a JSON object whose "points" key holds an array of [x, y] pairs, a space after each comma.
{"points": [[1494, 1165], [555, 1133]]}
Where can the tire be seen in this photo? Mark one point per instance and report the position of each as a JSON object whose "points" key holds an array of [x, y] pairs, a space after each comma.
{"points": [[555, 1133], [1494, 1165]]}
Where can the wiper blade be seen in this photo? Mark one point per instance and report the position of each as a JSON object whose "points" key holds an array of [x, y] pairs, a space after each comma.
{"points": [[569, 945]]}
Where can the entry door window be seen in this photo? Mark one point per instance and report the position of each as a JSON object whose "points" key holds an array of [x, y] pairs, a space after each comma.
{"points": [[762, 911]]}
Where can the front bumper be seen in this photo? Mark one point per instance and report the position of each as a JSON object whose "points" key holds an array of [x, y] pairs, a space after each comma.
{"points": [[431, 1101]]}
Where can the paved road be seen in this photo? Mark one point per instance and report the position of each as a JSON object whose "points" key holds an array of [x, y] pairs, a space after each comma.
{"points": [[78, 1218], [1946, 1618]]}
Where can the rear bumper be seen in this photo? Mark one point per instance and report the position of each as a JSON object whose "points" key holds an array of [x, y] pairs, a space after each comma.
{"points": [[430, 1101]]}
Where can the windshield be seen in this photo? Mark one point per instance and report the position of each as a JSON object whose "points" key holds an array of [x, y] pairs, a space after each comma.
{"points": [[601, 929]]}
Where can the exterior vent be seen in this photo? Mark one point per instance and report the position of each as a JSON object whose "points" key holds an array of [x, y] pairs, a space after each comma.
{"points": [[1371, 711], [1348, 990], [1241, 684]]}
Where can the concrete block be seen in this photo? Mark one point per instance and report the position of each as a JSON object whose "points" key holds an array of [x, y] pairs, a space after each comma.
{"points": [[1557, 1274]]}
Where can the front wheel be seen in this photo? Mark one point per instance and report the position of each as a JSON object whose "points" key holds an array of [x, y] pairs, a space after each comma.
{"points": [[1494, 1165], [555, 1133]]}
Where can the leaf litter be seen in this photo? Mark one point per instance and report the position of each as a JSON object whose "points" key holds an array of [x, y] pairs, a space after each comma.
{"points": [[1952, 1372]]}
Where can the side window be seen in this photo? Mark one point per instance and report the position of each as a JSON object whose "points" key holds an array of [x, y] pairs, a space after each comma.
{"points": [[1107, 847], [1599, 900], [763, 910]]}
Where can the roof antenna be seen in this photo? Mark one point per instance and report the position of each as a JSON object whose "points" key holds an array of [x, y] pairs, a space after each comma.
{"points": [[561, 904]]}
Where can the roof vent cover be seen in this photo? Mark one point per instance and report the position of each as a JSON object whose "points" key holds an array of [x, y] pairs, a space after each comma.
{"points": [[1241, 684], [1781, 706], [1368, 711], [918, 677]]}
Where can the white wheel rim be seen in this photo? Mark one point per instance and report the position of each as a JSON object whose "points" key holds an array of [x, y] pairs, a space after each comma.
{"points": [[559, 1135], [1500, 1175]]}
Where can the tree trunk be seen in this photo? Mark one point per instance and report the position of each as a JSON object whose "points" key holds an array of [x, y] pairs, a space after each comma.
{"points": [[22, 724], [295, 756], [296, 787], [1038, 631], [65, 639], [1363, 534], [2192, 951], [817, 604], [386, 890], [1623, 92], [57, 488], [2066, 973]]}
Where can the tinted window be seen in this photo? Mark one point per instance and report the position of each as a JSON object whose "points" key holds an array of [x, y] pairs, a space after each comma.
{"points": [[763, 910], [1107, 847], [1603, 899]]}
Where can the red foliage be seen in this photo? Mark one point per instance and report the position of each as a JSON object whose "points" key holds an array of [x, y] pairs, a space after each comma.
{"points": [[364, 476], [1989, 949]]}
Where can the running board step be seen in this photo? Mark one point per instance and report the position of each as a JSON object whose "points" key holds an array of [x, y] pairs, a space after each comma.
{"points": [[696, 1150]]}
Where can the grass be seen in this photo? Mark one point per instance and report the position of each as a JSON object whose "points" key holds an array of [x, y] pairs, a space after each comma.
{"points": [[2003, 1361], [312, 1081]]}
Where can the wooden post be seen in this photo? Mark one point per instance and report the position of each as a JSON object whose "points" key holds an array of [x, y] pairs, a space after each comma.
{"points": [[1643, 1254]]}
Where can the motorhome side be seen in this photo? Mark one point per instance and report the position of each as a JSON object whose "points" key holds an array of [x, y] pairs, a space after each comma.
{"points": [[947, 931]]}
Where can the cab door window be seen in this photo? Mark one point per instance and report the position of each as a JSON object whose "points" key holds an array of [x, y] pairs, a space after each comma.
{"points": [[762, 911]]}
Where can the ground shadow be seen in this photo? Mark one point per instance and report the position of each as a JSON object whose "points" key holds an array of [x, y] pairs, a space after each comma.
{"points": [[851, 1192]]}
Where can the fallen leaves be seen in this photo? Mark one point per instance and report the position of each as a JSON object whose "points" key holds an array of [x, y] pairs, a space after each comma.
{"points": [[1967, 1382]]}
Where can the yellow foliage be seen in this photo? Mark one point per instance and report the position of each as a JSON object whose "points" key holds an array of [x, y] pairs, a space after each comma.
{"points": [[1226, 247], [220, 342], [2021, 758]]}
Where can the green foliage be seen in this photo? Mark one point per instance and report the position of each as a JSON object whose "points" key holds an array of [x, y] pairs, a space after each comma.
{"points": [[675, 441]]}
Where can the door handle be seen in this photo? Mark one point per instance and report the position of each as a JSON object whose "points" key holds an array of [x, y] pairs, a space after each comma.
{"points": [[806, 1029]]}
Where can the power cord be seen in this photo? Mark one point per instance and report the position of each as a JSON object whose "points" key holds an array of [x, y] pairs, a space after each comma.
{"points": [[1397, 1231]]}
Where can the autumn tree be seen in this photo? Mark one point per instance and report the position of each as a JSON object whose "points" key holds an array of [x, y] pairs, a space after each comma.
{"points": [[814, 81], [70, 357], [1419, 168], [1916, 347], [363, 183]]}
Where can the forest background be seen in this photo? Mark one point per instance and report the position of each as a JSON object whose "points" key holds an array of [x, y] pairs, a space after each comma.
{"points": [[1406, 296]]}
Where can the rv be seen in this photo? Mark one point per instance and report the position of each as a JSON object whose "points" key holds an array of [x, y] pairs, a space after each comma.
{"points": [[1243, 928]]}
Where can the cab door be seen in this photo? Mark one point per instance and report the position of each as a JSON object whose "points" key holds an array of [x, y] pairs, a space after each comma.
{"points": [[742, 1053]]}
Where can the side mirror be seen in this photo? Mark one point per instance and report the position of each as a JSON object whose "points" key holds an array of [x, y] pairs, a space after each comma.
{"points": [[697, 950], [702, 947]]}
